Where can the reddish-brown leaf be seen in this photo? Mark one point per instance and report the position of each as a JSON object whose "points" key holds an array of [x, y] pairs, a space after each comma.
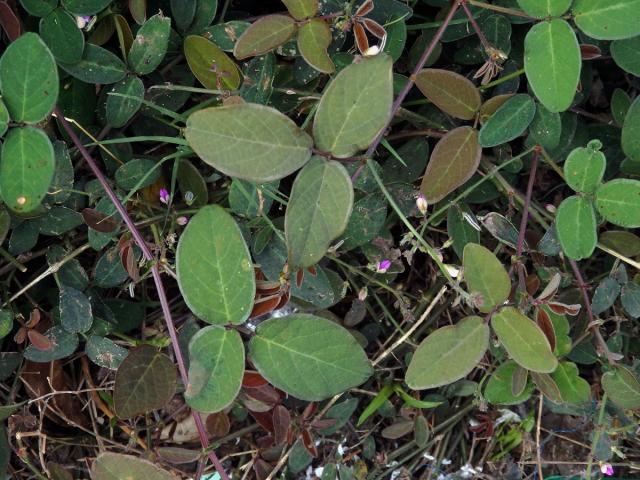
{"points": [[34, 318], [590, 52], [10, 21], [281, 424], [264, 287], [309, 443], [128, 259], [264, 419], [262, 469], [563, 309], [544, 322], [265, 394], [218, 424], [20, 336], [264, 305], [533, 283], [365, 9], [309, 410], [99, 221], [253, 379], [362, 42], [299, 278], [39, 341], [323, 423], [375, 28]]}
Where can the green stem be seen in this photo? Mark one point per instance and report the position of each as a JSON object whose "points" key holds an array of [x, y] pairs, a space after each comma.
{"points": [[502, 79]]}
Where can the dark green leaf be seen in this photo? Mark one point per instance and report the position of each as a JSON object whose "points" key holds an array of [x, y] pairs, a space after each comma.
{"points": [[308, 357], [622, 386], [205, 12], [109, 271], [97, 66], [6, 323], [365, 222], [27, 168], [120, 109], [63, 37], [608, 19], [29, 79], [509, 121], [182, 12], [145, 381], [104, 352], [627, 243], [75, 310], [631, 131], [39, 8], [139, 172], [214, 268], [150, 45], [190, 180], [605, 295], [85, 7], [216, 366], [626, 54], [630, 298], [546, 127], [459, 229], [59, 220], [576, 227], [225, 35], [448, 354], [62, 343]]}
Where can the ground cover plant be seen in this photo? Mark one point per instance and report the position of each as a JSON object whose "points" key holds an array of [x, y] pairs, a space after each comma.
{"points": [[321, 239]]}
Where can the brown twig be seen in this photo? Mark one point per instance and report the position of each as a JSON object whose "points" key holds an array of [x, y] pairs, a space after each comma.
{"points": [[155, 271]]}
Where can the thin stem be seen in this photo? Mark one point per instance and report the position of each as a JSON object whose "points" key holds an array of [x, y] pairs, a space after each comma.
{"points": [[497, 8], [525, 219], [502, 79], [162, 296], [603, 348], [483, 40]]}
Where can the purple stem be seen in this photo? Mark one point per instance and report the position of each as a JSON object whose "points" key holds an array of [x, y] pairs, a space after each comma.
{"points": [[483, 40], [525, 219], [157, 279]]}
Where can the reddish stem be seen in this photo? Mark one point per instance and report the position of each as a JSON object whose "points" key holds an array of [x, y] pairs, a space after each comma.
{"points": [[525, 218], [483, 40], [157, 279]]}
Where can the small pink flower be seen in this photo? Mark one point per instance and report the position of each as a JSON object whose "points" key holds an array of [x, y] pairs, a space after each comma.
{"points": [[607, 469], [383, 266], [164, 196], [182, 221]]}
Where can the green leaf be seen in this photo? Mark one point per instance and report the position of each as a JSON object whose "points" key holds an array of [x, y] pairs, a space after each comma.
{"points": [[63, 176], [26, 169], [552, 63], [98, 65], [450, 92], [485, 276], [301, 9], [204, 57], [608, 19], [375, 404], [509, 121], [573, 389], [524, 340], [116, 466], [140, 171], [546, 127], [251, 142], [318, 211], [29, 79], [245, 200], [39, 8], [259, 74], [205, 13], [576, 227], [631, 131], [182, 12], [605, 295], [264, 35], [308, 357], [584, 167], [365, 222], [75, 310], [63, 37], [499, 387], [119, 110], [6, 323], [214, 268], [448, 354], [59, 220], [627, 243], [620, 104], [104, 352], [354, 107], [216, 367], [459, 229], [626, 53], [618, 201], [341, 413], [630, 299], [150, 45], [544, 8], [109, 271], [145, 381], [225, 35], [62, 342], [4, 118], [453, 161], [85, 7], [7, 410], [622, 386], [314, 37]]}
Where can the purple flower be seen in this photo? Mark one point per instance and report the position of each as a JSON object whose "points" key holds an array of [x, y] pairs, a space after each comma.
{"points": [[607, 469], [164, 196], [383, 266]]}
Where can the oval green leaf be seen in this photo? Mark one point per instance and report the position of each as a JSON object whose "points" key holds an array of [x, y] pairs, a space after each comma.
{"points": [[622, 386], [104, 352], [75, 310], [448, 354], [216, 367], [62, 35], [626, 243], [354, 107], [308, 357], [26, 169], [252, 142], [608, 19], [301, 9], [576, 227], [214, 268], [39, 8], [524, 340], [509, 121], [552, 63], [618, 201], [631, 131], [150, 45], [264, 35], [450, 92], [453, 161], [546, 127], [486, 277], [574, 389], [204, 57], [318, 211], [28, 79], [116, 466], [62, 343], [145, 381], [137, 173], [584, 168], [499, 390], [98, 65], [314, 37], [119, 110], [626, 54], [544, 8]]}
